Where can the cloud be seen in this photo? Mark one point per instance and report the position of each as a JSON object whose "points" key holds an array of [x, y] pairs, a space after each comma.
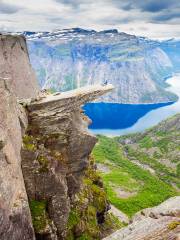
{"points": [[155, 6], [152, 18], [147, 5], [6, 8], [167, 17]]}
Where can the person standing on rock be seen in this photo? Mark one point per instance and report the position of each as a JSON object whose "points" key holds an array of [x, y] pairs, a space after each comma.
{"points": [[105, 83]]}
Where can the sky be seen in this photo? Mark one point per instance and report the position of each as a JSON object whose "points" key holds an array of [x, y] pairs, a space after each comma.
{"points": [[157, 19]]}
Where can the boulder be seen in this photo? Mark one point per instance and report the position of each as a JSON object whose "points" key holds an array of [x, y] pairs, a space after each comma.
{"points": [[157, 223]]}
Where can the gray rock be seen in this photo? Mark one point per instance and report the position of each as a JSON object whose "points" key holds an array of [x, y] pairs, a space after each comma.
{"points": [[15, 219], [15, 66], [17, 79], [157, 223]]}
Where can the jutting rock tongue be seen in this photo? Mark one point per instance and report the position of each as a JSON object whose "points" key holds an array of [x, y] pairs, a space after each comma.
{"points": [[16, 80], [55, 155]]}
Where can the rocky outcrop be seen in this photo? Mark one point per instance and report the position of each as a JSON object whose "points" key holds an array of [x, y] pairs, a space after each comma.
{"points": [[15, 66], [15, 74], [55, 156], [15, 220], [161, 222]]}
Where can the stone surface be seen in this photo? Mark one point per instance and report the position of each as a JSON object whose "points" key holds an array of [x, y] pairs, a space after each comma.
{"points": [[15, 66], [119, 214], [157, 223], [16, 80], [56, 151], [15, 220]]}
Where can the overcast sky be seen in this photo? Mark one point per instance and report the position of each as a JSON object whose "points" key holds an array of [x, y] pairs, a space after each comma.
{"points": [[151, 18]]}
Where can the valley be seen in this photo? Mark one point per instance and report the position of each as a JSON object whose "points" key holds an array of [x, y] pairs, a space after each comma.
{"points": [[142, 170]]}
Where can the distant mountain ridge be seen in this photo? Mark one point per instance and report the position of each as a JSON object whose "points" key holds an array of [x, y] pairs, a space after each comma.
{"points": [[71, 58]]}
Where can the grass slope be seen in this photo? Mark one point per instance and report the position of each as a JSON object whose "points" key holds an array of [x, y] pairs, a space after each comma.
{"points": [[130, 159]]}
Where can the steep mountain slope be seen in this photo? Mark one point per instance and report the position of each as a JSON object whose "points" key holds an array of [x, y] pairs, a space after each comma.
{"points": [[172, 49], [141, 170], [71, 58]]}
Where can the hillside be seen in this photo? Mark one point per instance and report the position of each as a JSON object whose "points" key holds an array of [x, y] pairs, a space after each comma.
{"points": [[141, 170], [71, 58]]}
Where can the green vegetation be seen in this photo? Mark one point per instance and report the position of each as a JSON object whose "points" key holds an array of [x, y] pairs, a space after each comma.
{"points": [[91, 202], [39, 216], [146, 142], [121, 179], [29, 143], [43, 161], [150, 189]]}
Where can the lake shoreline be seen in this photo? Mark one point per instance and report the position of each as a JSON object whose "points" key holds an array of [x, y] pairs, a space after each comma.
{"points": [[147, 118]]}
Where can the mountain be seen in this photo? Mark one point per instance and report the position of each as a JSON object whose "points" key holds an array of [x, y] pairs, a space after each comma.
{"points": [[141, 170], [172, 49], [71, 58]]}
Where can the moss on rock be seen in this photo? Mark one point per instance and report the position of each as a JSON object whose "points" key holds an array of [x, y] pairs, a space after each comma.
{"points": [[29, 143], [43, 161], [88, 219], [39, 216]]}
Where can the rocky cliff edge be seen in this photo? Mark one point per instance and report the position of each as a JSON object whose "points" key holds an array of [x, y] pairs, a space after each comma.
{"points": [[56, 152]]}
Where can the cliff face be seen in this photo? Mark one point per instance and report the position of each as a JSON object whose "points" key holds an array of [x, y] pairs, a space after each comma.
{"points": [[15, 219], [15, 66], [172, 49], [56, 154]]}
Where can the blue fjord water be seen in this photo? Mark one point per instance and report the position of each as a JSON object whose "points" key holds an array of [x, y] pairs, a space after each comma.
{"points": [[114, 119], [117, 116]]}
